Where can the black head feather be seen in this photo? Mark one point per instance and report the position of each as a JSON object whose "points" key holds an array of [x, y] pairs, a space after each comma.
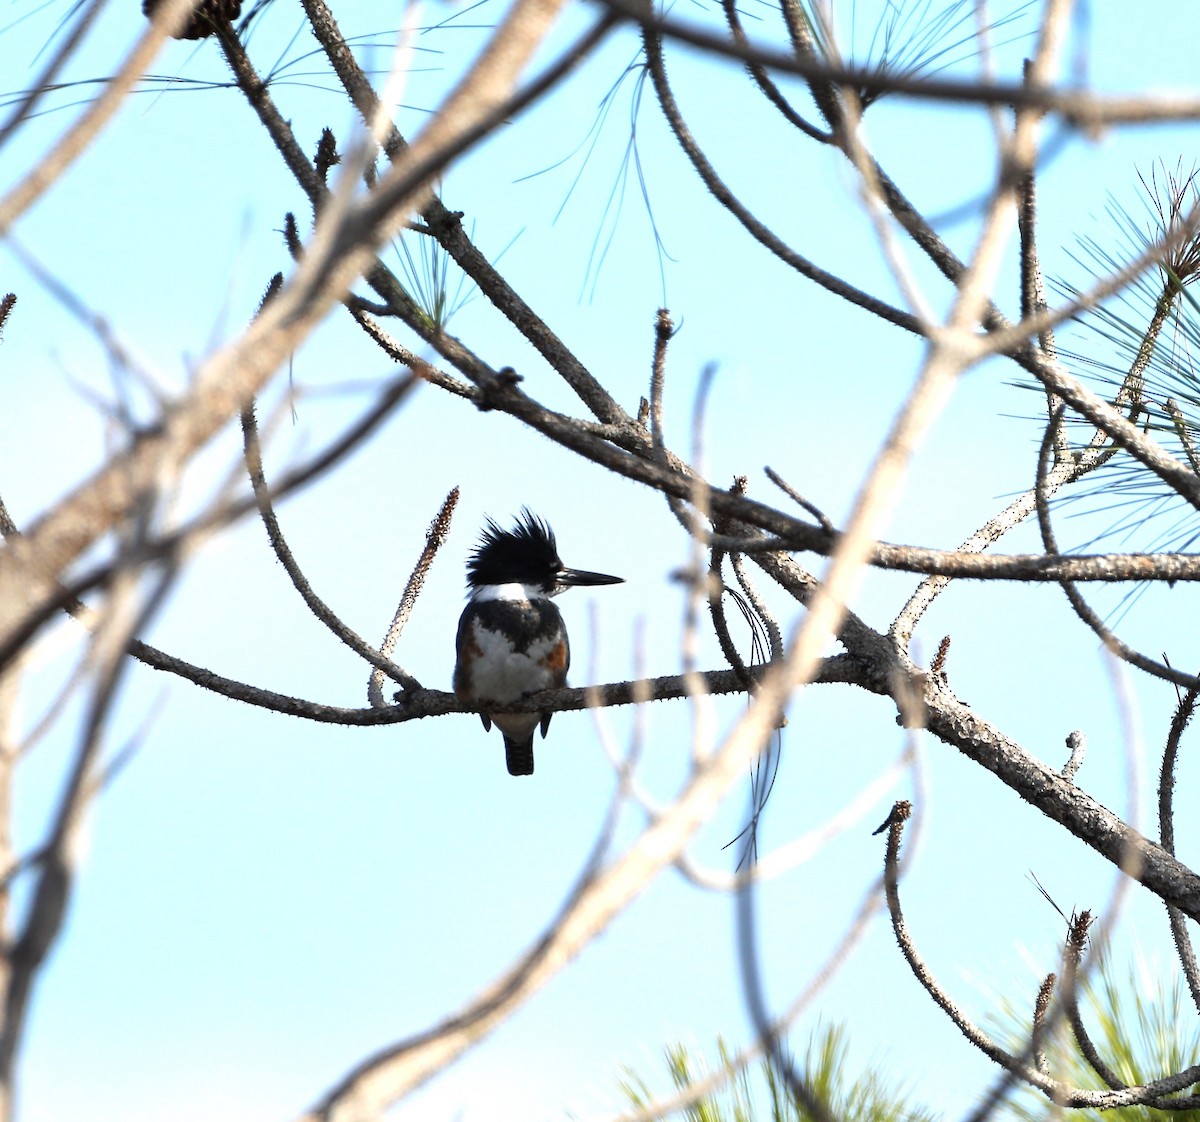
{"points": [[526, 554]]}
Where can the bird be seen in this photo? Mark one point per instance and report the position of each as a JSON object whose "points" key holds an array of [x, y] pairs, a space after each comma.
{"points": [[511, 640]]}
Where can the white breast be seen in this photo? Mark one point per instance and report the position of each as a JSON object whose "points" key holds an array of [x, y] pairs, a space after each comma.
{"points": [[501, 674]]}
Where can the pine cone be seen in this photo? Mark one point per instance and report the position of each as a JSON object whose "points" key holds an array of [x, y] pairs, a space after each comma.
{"points": [[205, 19]]}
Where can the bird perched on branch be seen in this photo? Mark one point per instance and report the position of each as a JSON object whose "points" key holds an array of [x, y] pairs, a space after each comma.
{"points": [[511, 638]]}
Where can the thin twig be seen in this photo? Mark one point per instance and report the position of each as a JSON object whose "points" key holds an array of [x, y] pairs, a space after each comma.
{"points": [[800, 500], [1083, 110], [759, 231], [763, 80], [1077, 937], [1080, 606], [1184, 711], [921, 971], [1077, 743], [1033, 289], [316, 605]]}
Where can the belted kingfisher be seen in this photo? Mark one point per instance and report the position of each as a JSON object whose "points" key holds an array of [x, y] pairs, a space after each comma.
{"points": [[511, 638]]}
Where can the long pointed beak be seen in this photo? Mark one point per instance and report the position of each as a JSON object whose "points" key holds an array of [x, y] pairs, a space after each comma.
{"points": [[570, 578]]}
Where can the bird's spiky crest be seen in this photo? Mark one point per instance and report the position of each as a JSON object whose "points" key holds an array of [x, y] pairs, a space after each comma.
{"points": [[526, 554]]}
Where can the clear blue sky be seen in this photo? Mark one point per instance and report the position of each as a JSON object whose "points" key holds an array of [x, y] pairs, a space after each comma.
{"points": [[263, 900]]}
